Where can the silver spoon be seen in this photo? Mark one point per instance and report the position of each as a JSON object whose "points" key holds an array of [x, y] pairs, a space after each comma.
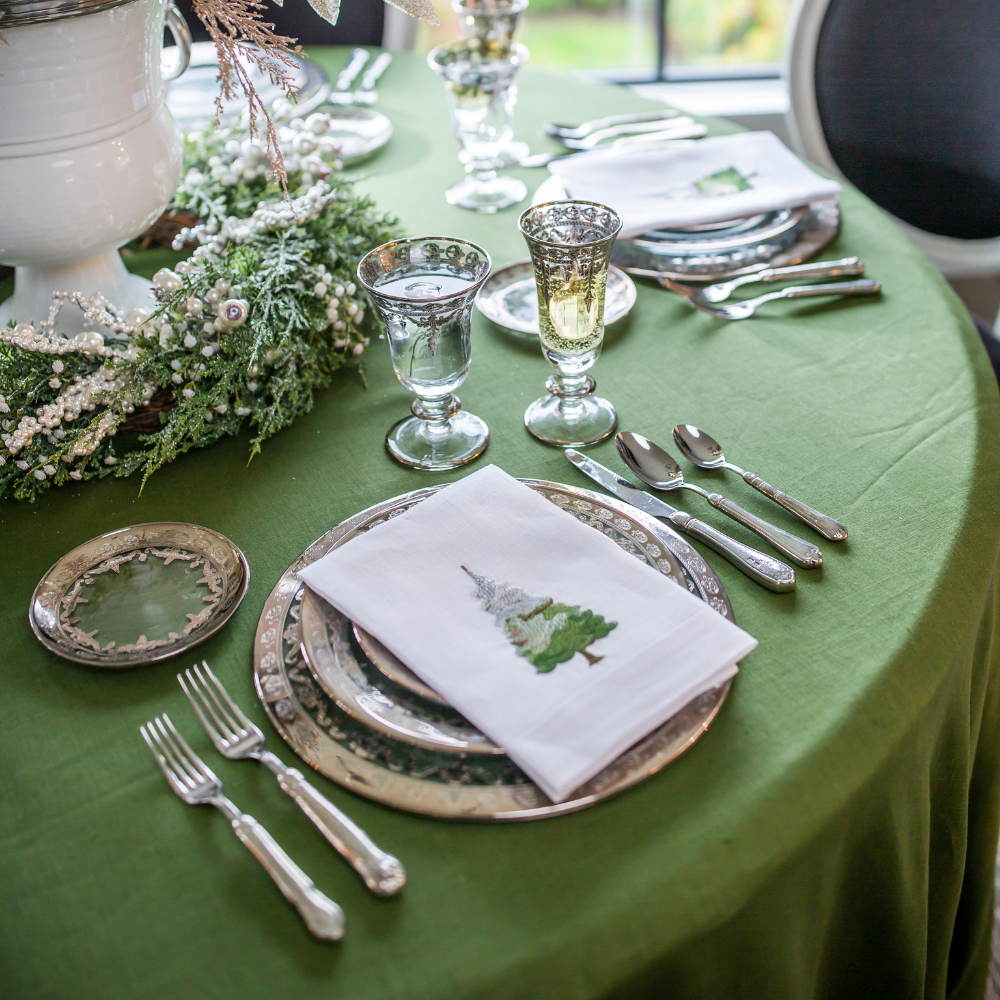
{"points": [[819, 269], [656, 468], [704, 451], [745, 309], [341, 93], [367, 94]]}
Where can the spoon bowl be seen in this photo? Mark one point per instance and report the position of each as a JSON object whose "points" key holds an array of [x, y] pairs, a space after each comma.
{"points": [[698, 447], [649, 461]]}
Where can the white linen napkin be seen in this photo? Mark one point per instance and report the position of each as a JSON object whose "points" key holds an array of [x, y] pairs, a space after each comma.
{"points": [[725, 177], [541, 631]]}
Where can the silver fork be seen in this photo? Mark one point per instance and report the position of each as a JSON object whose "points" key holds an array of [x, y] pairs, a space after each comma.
{"points": [[745, 309], [188, 776], [819, 269], [579, 131], [237, 738]]}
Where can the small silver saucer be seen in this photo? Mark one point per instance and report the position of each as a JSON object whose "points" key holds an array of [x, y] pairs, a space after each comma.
{"points": [[358, 132], [509, 299], [139, 594]]}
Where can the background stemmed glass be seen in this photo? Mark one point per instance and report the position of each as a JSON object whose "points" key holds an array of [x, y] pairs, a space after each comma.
{"points": [[478, 75], [494, 21], [424, 288], [570, 244]]}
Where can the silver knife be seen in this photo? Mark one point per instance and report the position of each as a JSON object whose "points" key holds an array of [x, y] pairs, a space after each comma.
{"points": [[759, 566]]}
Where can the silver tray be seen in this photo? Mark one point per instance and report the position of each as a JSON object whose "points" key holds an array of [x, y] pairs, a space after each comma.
{"points": [[713, 253], [509, 299], [164, 587], [446, 784]]}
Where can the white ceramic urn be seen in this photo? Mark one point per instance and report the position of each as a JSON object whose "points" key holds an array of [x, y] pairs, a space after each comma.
{"points": [[89, 154]]}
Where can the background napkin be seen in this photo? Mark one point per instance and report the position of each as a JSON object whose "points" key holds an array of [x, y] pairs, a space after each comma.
{"points": [[420, 583], [693, 184]]}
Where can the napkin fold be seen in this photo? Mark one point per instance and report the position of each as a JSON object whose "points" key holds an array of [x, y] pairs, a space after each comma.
{"points": [[711, 180], [553, 641]]}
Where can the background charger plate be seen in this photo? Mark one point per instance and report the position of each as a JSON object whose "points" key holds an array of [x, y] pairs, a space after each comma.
{"points": [[445, 784], [134, 572], [509, 299], [702, 253]]}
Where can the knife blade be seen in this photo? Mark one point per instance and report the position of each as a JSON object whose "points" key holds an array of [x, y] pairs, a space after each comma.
{"points": [[759, 566]]}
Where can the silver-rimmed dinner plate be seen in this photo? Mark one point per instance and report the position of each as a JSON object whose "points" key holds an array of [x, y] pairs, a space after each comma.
{"points": [[441, 782], [358, 132], [393, 667], [191, 97], [509, 299], [722, 250], [139, 594]]}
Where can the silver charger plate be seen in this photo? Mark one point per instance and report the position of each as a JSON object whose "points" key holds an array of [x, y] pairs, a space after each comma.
{"points": [[719, 251], [442, 783], [139, 595], [358, 132], [509, 299], [191, 97]]}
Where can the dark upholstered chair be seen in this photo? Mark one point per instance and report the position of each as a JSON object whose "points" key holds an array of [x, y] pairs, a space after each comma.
{"points": [[902, 97], [361, 22]]}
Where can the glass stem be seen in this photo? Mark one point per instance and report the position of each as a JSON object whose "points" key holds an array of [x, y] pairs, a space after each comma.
{"points": [[571, 388], [436, 414]]}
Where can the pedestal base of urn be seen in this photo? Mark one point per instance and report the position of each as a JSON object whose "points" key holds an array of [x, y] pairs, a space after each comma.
{"points": [[105, 273]]}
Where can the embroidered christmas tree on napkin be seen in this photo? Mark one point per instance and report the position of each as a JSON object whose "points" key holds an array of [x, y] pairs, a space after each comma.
{"points": [[545, 633]]}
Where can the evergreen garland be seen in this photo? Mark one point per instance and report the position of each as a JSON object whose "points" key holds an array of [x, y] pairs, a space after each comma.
{"points": [[242, 333]]}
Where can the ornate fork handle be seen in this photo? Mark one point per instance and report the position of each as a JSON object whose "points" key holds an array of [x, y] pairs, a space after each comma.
{"points": [[321, 915], [797, 549], [382, 873], [826, 526]]}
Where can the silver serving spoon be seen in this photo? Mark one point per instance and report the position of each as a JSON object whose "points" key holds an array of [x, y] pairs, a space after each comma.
{"points": [[704, 451], [745, 309], [656, 468]]}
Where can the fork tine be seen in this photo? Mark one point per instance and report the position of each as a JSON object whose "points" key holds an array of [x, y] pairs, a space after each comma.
{"points": [[211, 691], [216, 729], [155, 744], [241, 717], [190, 759], [185, 775]]}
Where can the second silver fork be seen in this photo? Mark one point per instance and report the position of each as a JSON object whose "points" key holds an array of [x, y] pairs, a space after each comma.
{"points": [[236, 737]]}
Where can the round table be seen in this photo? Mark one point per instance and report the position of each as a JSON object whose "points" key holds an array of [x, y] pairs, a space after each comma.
{"points": [[833, 833]]}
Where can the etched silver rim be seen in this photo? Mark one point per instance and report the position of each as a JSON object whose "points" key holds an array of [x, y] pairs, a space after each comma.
{"points": [[441, 785]]}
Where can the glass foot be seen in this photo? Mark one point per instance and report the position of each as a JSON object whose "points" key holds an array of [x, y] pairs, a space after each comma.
{"points": [[436, 445], [570, 422], [510, 153], [487, 196]]}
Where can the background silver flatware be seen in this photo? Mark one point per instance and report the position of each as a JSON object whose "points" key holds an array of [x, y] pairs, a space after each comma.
{"points": [[341, 93], [237, 738], [819, 269], [704, 451], [188, 776], [658, 469], [650, 140], [743, 310], [367, 94], [679, 125], [759, 566], [579, 131]]}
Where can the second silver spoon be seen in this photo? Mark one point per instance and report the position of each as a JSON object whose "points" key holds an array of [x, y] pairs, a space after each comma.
{"points": [[656, 468], [706, 452]]}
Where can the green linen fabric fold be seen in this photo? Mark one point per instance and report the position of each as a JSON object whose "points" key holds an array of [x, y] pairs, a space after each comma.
{"points": [[831, 836]]}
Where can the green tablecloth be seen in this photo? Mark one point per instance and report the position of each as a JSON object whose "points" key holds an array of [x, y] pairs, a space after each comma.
{"points": [[831, 836]]}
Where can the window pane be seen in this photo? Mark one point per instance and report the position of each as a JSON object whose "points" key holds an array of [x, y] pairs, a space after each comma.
{"points": [[563, 34], [716, 32]]}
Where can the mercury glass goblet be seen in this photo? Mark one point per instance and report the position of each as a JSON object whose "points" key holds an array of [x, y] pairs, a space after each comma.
{"points": [[494, 22], [570, 244], [424, 288], [478, 75]]}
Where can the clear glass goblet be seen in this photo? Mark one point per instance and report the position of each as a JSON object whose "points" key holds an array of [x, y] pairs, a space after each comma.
{"points": [[478, 76], [494, 22], [424, 288], [570, 244]]}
